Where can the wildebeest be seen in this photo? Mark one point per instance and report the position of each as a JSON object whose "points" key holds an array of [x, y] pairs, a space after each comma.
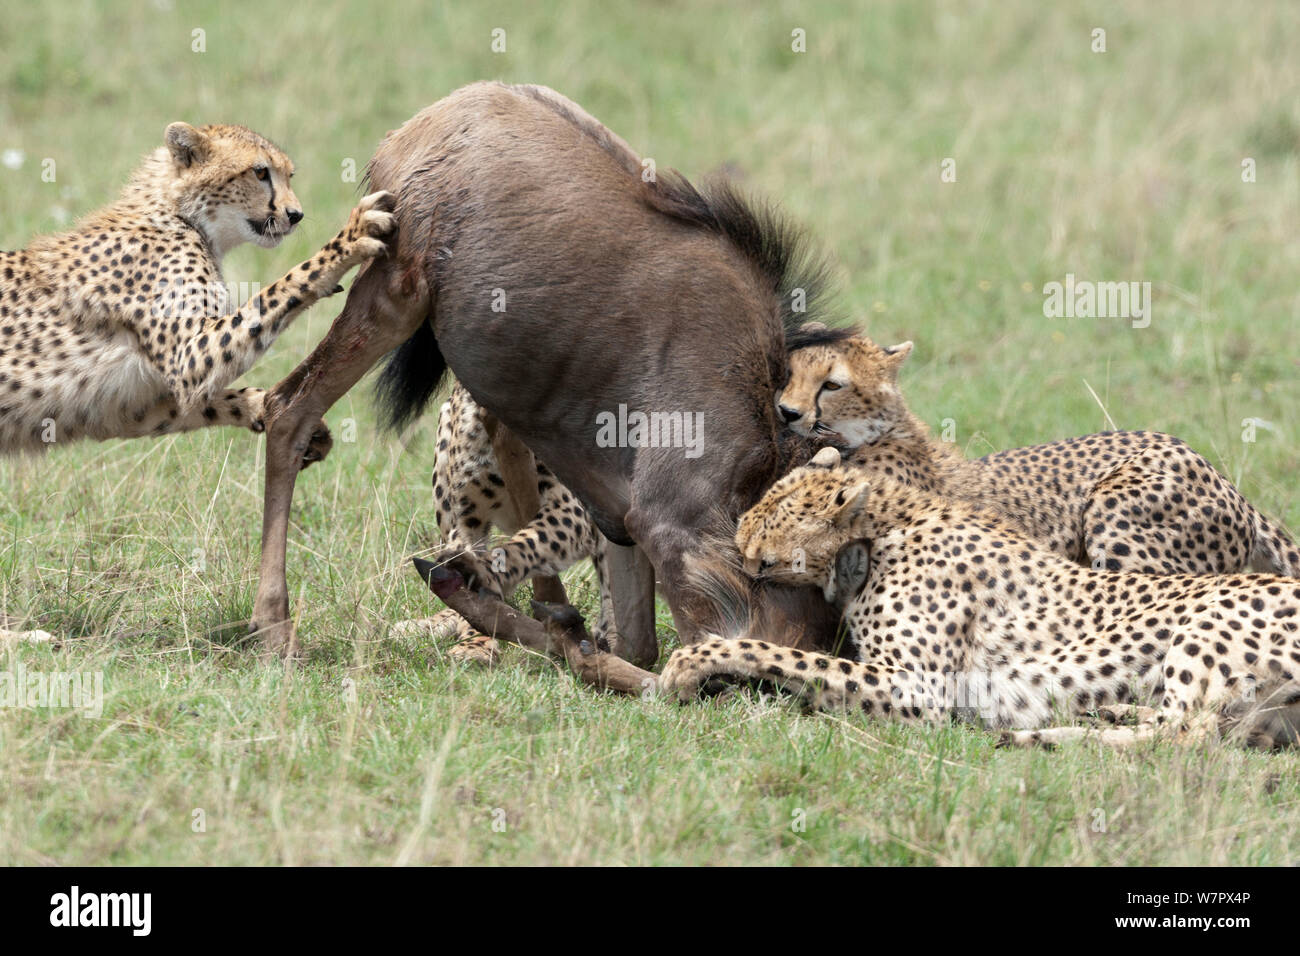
{"points": [[563, 283]]}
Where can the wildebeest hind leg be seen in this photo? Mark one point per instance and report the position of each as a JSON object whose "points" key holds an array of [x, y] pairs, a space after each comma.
{"points": [[381, 312]]}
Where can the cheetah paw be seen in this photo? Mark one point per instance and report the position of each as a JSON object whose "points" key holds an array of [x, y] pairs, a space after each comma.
{"points": [[681, 678], [370, 222], [1127, 714], [1023, 738], [443, 626], [475, 649], [318, 446]]}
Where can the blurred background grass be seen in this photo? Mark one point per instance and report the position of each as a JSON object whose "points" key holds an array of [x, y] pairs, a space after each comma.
{"points": [[1122, 165]]}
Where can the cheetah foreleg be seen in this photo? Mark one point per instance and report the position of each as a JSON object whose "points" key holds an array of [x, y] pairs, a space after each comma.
{"points": [[239, 408], [1052, 736], [1167, 723], [470, 647], [225, 347], [824, 683]]}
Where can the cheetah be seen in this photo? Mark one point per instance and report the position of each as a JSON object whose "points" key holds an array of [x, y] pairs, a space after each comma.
{"points": [[470, 494], [951, 611], [121, 327], [1120, 501]]}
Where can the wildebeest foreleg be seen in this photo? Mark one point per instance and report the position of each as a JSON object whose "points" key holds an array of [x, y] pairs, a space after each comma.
{"points": [[631, 584], [381, 312], [562, 633]]}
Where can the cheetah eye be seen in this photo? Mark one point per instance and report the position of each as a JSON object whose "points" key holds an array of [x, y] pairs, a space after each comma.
{"points": [[261, 172], [831, 386]]}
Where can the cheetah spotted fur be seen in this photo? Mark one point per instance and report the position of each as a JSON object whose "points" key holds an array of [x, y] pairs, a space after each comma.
{"points": [[952, 612], [1122, 501], [119, 327]]}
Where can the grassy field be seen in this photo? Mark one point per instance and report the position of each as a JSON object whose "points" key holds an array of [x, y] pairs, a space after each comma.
{"points": [[1118, 165]]}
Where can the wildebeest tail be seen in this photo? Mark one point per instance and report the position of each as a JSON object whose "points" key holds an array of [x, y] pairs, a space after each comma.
{"points": [[1275, 551], [410, 378]]}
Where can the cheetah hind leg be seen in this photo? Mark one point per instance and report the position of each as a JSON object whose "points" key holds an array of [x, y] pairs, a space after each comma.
{"points": [[1049, 737], [470, 647], [1127, 714], [1131, 527], [1168, 723]]}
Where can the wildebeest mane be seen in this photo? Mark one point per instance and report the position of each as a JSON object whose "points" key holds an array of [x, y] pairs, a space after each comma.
{"points": [[779, 249], [764, 235]]}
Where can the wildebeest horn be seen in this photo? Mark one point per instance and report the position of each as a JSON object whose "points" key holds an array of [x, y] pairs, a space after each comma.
{"points": [[441, 580]]}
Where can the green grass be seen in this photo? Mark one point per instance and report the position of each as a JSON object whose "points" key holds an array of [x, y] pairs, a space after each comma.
{"points": [[1115, 166]]}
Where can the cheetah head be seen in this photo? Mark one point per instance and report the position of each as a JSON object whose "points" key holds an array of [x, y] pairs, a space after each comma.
{"points": [[232, 184], [845, 393], [797, 530]]}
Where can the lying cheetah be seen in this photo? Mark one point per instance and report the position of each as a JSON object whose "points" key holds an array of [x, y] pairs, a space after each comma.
{"points": [[1123, 501], [951, 611], [471, 499], [119, 328]]}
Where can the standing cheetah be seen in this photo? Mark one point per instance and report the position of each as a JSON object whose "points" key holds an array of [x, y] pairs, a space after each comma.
{"points": [[1122, 501], [120, 328], [951, 611], [471, 498]]}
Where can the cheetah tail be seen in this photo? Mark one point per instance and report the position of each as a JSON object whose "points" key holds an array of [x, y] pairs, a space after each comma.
{"points": [[1275, 551]]}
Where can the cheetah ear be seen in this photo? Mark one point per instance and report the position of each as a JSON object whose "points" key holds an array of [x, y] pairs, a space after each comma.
{"points": [[852, 564], [898, 353], [895, 356], [187, 145], [813, 327], [850, 504], [826, 458]]}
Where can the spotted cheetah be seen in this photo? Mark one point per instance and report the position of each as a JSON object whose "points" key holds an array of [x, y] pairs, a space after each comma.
{"points": [[952, 612], [1122, 501], [121, 327], [470, 494]]}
